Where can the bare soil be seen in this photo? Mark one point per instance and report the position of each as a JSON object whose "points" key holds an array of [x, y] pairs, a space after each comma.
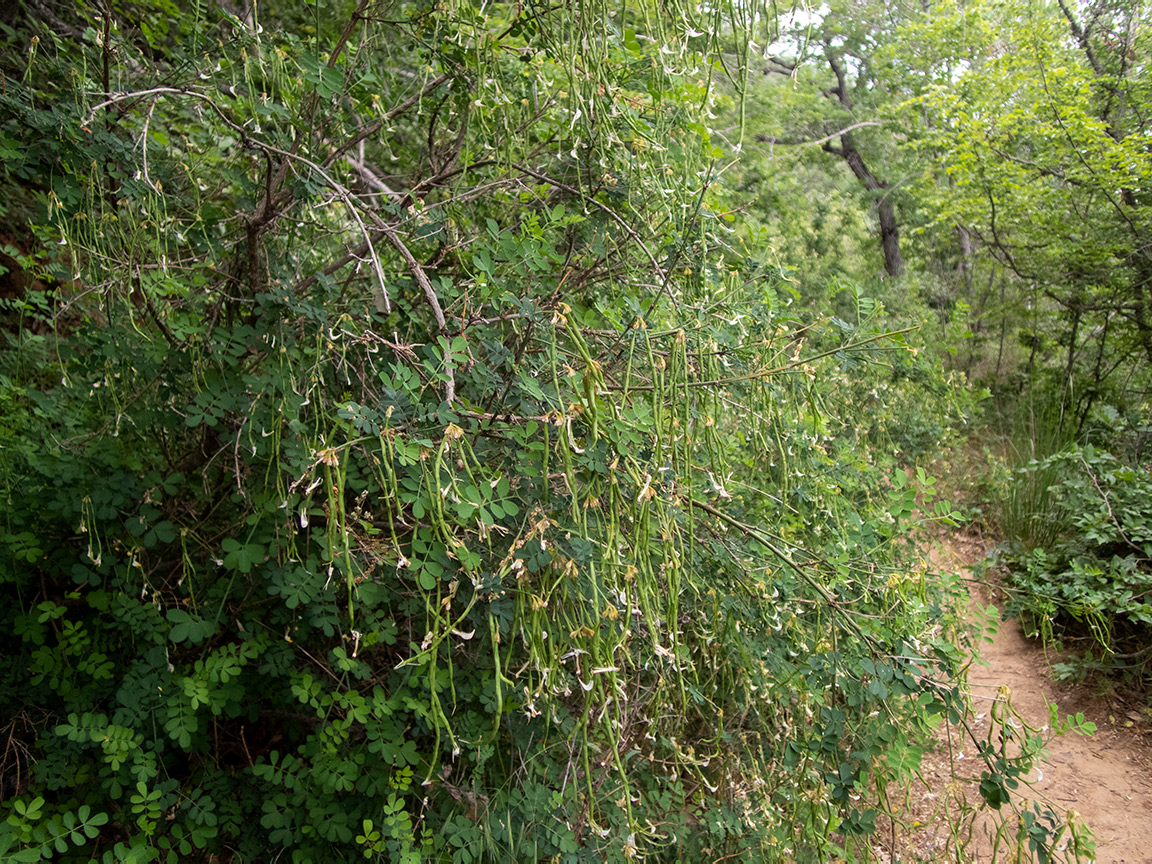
{"points": [[1104, 780]]}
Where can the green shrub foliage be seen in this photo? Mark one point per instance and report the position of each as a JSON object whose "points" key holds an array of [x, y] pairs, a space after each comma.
{"points": [[406, 456], [1092, 579]]}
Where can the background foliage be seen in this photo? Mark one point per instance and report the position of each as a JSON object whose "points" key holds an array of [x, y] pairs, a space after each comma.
{"points": [[1042, 137], [1008, 142]]}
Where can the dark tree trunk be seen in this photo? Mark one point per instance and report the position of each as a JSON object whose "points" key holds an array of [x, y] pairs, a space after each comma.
{"points": [[890, 239], [889, 228]]}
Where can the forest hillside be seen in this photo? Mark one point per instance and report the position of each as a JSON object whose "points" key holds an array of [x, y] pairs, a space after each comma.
{"points": [[475, 432]]}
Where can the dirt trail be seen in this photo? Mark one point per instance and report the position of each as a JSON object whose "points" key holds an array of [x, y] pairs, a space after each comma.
{"points": [[1106, 778]]}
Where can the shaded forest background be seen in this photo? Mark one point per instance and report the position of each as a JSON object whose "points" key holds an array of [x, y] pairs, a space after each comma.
{"points": [[503, 431]]}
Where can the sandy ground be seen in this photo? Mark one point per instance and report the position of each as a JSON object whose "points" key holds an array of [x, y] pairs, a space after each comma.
{"points": [[1105, 779]]}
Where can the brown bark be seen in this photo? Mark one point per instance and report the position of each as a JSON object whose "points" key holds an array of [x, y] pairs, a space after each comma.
{"points": [[889, 228]]}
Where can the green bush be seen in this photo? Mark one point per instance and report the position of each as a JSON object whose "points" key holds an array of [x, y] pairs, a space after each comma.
{"points": [[1093, 577]]}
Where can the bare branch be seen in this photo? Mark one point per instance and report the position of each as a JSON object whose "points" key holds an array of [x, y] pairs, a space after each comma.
{"points": [[342, 40], [372, 129], [429, 294], [137, 94], [779, 67], [1081, 37], [354, 254], [840, 91], [768, 139], [370, 178]]}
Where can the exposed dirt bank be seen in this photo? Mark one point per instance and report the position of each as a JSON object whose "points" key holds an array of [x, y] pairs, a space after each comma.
{"points": [[1106, 778]]}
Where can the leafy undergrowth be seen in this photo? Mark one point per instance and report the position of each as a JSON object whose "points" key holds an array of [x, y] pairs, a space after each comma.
{"points": [[1089, 589]]}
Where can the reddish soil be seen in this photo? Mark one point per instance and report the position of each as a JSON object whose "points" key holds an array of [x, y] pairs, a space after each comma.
{"points": [[1104, 780]]}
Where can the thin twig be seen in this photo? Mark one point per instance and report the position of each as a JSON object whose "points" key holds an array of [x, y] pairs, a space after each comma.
{"points": [[168, 337], [369, 177], [429, 294], [764, 373], [1108, 504], [544, 178], [354, 254], [379, 124], [144, 146], [767, 139], [760, 537]]}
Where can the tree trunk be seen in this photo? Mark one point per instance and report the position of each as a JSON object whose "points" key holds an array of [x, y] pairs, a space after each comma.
{"points": [[890, 239], [889, 228]]}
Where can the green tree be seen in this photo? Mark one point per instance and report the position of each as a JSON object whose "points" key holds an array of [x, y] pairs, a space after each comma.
{"points": [[834, 72], [1042, 138]]}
